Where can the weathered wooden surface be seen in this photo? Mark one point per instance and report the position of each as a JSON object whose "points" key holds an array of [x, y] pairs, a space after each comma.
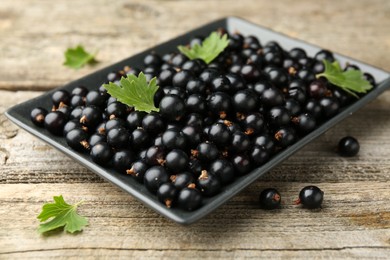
{"points": [[354, 221]]}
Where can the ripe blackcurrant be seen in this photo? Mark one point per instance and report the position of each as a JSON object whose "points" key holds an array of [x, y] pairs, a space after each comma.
{"points": [[37, 116], [310, 197], [348, 146], [270, 199], [154, 177]]}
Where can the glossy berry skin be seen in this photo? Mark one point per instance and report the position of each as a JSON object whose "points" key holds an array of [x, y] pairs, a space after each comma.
{"points": [[55, 122], [189, 199], [37, 116], [153, 123], [96, 138], [348, 146], [155, 155], [305, 123], [116, 110], [240, 142], [140, 138], [259, 155], [272, 97], [310, 197], [95, 98], [285, 136], [208, 184], [219, 134], [174, 139], [91, 116], [60, 96], [219, 103], [73, 124], [182, 180], [77, 139], [122, 160], [176, 160], [329, 106], [223, 170], [269, 199], [118, 137], [265, 141], [206, 152], [134, 119], [137, 170], [101, 153], [79, 90], [253, 123], [172, 107], [245, 101], [181, 78], [242, 164], [167, 194], [195, 103], [154, 177]]}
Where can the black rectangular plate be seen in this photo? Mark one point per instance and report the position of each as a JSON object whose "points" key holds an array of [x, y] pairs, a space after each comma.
{"points": [[20, 115]]}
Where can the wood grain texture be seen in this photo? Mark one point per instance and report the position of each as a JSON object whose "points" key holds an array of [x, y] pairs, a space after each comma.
{"points": [[354, 221], [34, 38]]}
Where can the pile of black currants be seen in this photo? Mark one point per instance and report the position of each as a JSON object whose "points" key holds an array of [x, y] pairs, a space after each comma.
{"points": [[216, 121]]}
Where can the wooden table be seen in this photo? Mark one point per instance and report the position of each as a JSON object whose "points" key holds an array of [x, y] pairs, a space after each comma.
{"points": [[354, 221]]}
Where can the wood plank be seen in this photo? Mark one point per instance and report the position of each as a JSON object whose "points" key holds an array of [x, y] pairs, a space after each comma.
{"points": [[32, 52], [348, 223]]}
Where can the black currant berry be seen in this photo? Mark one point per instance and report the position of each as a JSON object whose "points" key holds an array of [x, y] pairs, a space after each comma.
{"points": [[155, 155], [78, 139], [176, 160], [245, 101], [348, 146], [259, 155], [91, 116], [173, 138], [122, 160], [285, 136], [118, 137], [60, 96], [310, 197], [223, 169], [219, 134], [101, 153], [189, 199], [167, 194], [137, 170], [37, 116], [154, 177], [208, 184], [206, 152], [270, 199], [153, 123], [172, 107], [54, 122], [240, 142]]}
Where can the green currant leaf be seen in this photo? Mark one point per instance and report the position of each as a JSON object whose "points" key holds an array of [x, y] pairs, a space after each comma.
{"points": [[63, 215], [351, 81], [78, 57], [135, 92], [211, 47]]}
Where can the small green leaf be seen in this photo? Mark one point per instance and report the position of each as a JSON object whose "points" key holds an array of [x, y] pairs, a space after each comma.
{"points": [[351, 81], [135, 92], [63, 215], [78, 57], [211, 47]]}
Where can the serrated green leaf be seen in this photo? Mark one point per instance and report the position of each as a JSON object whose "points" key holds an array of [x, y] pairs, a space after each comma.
{"points": [[135, 92], [211, 47], [77, 57], [351, 81], [63, 215]]}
